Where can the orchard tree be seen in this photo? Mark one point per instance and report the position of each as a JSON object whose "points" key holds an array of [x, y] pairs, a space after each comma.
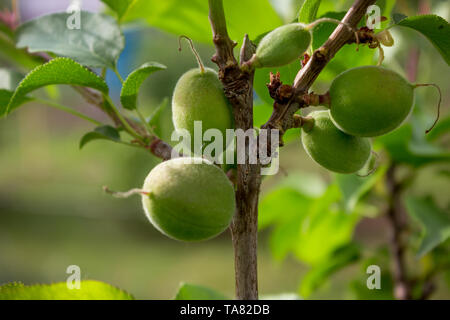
{"points": [[195, 193]]}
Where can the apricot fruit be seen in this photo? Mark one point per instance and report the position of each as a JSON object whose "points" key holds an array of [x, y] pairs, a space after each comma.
{"points": [[199, 96], [282, 46], [333, 149], [370, 101], [188, 201]]}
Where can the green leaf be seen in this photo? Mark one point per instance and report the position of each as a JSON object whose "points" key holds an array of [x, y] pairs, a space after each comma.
{"points": [[281, 206], [434, 28], [318, 275], [353, 188], [57, 71], [308, 11], [191, 17], [5, 97], [98, 43], [435, 222], [302, 222], [131, 86], [119, 6], [100, 133], [9, 80], [195, 292], [89, 290], [324, 221]]}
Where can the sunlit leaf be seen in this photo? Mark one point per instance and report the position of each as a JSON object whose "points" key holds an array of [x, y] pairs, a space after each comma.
{"points": [[120, 7], [435, 222], [308, 11], [89, 290], [98, 42], [324, 221], [282, 205], [195, 292], [191, 17], [132, 84]]}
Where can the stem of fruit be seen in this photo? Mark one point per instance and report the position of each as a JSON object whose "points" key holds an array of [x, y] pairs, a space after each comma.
{"points": [[68, 110], [238, 87], [123, 121], [313, 100], [439, 103], [118, 75], [312, 25], [307, 123], [197, 56], [144, 122], [126, 194]]}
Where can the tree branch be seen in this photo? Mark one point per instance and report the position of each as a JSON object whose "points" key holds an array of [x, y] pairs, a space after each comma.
{"points": [[402, 284], [154, 144], [282, 116], [238, 88]]}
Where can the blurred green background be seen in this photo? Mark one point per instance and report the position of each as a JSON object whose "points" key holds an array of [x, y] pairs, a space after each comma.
{"points": [[53, 212]]}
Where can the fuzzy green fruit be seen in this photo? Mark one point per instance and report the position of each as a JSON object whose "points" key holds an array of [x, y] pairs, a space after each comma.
{"points": [[199, 96], [282, 46], [332, 148], [370, 101], [188, 201]]}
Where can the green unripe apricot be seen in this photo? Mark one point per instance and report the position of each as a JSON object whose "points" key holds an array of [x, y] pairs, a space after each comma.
{"points": [[199, 96], [188, 201], [332, 148], [282, 46], [370, 101]]}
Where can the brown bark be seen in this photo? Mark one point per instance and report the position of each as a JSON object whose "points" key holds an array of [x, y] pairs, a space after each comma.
{"points": [[238, 87]]}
